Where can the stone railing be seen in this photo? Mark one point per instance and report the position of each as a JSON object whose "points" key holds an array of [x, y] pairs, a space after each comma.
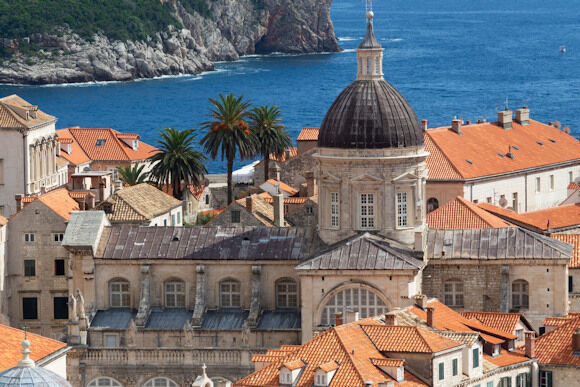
{"points": [[168, 356]]}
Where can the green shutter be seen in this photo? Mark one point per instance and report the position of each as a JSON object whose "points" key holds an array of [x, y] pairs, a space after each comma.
{"points": [[549, 378], [475, 357], [441, 371], [454, 367]]}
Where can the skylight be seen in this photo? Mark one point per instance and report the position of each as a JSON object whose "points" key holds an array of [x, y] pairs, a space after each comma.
{"points": [[552, 140], [101, 142], [539, 143], [515, 147], [469, 161], [501, 154]]}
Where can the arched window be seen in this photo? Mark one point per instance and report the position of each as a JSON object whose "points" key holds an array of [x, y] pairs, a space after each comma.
{"points": [[230, 294], [119, 296], [369, 64], [104, 382], [174, 294], [160, 382], [286, 294], [432, 204], [366, 302], [520, 294], [453, 293]]}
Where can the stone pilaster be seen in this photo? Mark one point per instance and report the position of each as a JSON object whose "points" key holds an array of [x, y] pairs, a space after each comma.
{"points": [[199, 308], [505, 289], [255, 302], [144, 301]]}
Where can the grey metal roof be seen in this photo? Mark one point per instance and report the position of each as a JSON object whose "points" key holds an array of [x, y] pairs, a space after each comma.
{"points": [[84, 229], [224, 319], [114, 318], [494, 243], [31, 377], [364, 252], [370, 114], [168, 319], [370, 41], [279, 320], [205, 243]]}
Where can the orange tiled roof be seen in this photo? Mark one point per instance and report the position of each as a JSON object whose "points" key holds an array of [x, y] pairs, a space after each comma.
{"points": [[3, 221], [328, 367], [461, 213], [555, 347], [534, 145], [548, 219], [390, 362], [573, 186], [308, 134], [112, 148], [399, 338], [557, 321], [12, 105], [283, 186], [573, 239], [81, 194], [506, 322], [506, 358], [290, 200], [294, 364], [284, 158], [59, 200], [214, 212], [10, 346], [77, 155], [196, 190], [261, 358]]}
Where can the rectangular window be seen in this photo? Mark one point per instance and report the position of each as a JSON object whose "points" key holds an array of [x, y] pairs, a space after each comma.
{"points": [[309, 210], [367, 211], [488, 199], [165, 222], [235, 216], [570, 284], [206, 199], [506, 381], [110, 341], [551, 182], [29, 308], [570, 176], [489, 384], [475, 357], [59, 267], [57, 237], [178, 217], [60, 307], [515, 201], [454, 364], [334, 209], [538, 186], [29, 268], [545, 378], [522, 380], [441, 371], [401, 209], [475, 201], [29, 237], [173, 220]]}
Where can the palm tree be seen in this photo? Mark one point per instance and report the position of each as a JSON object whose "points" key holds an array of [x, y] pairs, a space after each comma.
{"points": [[177, 161], [270, 134], [132, 174], [228, 133]]}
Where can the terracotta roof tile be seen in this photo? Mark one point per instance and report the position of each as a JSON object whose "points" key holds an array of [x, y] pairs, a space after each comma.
{"points": [[77, 155], [399, 338], [537, 145], [81, 194], [573, 186], [557, 321], [10, 118], [308, 134], [10, 346], [290, 200], [461, 213], [390, 362], [328, 367], [265, 358], [3, 221], [294, 364], [59, 200], [110, 148], [506, 322], [284, 157], [283, 187], [555, 347], [548, 219], [506, 358], [573, 239], [196, 190]]}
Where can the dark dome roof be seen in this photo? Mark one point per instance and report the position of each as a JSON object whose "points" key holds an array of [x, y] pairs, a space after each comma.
{"points": [[370, 114]]}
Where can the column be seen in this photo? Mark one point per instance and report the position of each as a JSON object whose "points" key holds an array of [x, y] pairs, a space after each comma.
{"points": [[200, 287], [144, 302], [255, 302]]}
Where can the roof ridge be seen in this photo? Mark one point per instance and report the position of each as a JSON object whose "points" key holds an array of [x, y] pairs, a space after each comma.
{"points": [[444, 155], [472, 208], [348, 354], [390, 250], [119, 142]]}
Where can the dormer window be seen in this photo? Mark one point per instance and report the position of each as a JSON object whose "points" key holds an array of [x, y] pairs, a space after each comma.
{"points": [[101, 142], [135, 145], [395, 368], [290, 371], [496, 349], [69, 148]]}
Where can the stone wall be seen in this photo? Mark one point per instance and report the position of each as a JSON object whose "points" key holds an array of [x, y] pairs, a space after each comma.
{"points": [[225, 218], [563, 376]]}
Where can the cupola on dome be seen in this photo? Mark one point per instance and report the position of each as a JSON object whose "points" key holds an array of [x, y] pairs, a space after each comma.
{"points": [[370, 113]]}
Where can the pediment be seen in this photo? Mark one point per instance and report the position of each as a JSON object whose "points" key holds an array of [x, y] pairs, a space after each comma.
{"points": [[405, 178], [330, 178], [366, 178]]}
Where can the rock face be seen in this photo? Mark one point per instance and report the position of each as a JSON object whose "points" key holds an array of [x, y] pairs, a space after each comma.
{"points": [[235, 28]]}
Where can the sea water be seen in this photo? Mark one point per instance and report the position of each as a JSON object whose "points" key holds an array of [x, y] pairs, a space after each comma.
{"points": [[447, 57]]}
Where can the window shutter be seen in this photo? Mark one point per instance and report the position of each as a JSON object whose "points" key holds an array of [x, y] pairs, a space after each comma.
{"points": [[549, 373]]}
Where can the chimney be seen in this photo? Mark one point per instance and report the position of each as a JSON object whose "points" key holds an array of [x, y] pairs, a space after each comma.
{"points": [[424, 125], [430, 312], [421, 301], [351, 317], [249, 203], [523, 116], [310, 184], [531, 344], [278, 209], [390, 319], [287, 154], [18, 199], [276, 172], [575, 341], [337, 319], [468, 122], [504, 119], [456, 125]]}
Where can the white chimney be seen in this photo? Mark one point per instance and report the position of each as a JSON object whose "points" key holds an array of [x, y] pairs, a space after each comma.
{"points": [[504, 119], [523, 116], [278, 209], [456, 125]]}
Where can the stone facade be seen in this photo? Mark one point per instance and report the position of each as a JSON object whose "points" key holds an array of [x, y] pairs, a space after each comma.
{"points": [[3, 264], [562, 375]]}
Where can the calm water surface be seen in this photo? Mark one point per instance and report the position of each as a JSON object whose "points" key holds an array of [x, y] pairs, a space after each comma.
{"points": [[448, 57]]}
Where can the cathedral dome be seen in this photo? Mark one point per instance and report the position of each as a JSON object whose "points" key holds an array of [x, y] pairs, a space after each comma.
{"points": [[370, 113]]}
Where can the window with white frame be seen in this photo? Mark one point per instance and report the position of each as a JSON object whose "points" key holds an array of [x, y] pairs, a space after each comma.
{"points": [[160, 382], [520, 294], [58, 237], [286, 293], [538, 184], [515, 201], [29, 237], [545, 378], [104, 382], [522, 380], [320, 379], [366, 302], [174, 294], [334, 209], [453, 293], [119, 294], [570, 176], [367, 210], [402, 209], [230, 294], [551, 182]]}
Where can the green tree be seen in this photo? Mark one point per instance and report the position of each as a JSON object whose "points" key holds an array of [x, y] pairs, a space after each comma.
{"points": [[270, 134], [228, 133], [177, 161], [132, 174]]}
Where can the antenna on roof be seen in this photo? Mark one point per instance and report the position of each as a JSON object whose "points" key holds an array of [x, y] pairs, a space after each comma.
{"points": [[506, 104]]}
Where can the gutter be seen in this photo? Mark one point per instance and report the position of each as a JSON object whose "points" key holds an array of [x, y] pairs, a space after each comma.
{"points": [[52, 356]]}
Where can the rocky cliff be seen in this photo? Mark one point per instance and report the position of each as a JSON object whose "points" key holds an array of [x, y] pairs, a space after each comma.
{"points": [[234, 28]]}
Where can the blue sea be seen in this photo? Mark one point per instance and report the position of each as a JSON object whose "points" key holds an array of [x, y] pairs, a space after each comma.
{"points": [[448, 58]]}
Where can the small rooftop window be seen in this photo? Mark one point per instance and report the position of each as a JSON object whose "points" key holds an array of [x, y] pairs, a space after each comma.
{"points": [[540, 143], [501, 154], [515, 147], [552, 140], [469, 161], [101, 142]]}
